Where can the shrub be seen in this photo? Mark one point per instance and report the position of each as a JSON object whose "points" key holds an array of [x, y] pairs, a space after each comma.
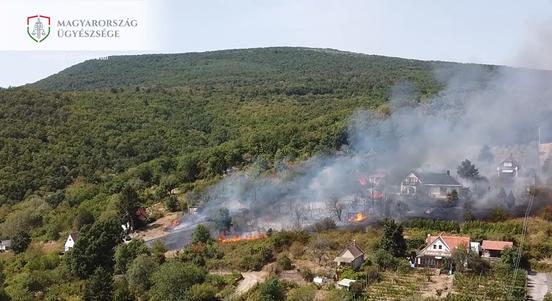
{"points": [[372, 275], [171, 203], [297, 249], [304, 293], [385, 260], [324, 225], [271, 290], [284, 263], [307, 274]]}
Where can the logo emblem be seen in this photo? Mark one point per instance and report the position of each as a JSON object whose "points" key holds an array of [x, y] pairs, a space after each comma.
{"points": [[38, 27]]}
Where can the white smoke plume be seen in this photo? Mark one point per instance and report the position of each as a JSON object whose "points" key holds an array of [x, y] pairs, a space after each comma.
{"points": [[478, 105]]}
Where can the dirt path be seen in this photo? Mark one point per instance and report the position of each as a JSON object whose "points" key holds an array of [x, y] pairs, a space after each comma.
{"points": [[158, 228], [538, 285], [250, 279], [439, 286]]}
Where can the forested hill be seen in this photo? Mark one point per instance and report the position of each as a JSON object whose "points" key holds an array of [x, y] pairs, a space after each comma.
{"points": [[180, 118], [292, 71]]}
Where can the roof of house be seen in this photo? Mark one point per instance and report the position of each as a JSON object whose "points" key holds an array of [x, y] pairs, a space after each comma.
{"points": [[452, 242], [73, 235], [509, 159], [345, 282], [435, 178], [354, 249], [6, 243], [496, 245]]}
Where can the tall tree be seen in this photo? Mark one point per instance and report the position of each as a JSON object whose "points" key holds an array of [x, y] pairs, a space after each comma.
{"points": [[485, 154], [223, 220], [99, 287], [129, 202], [139, 274], [173, 280], [335, 207], [201, 234], [125, 254], [21, 241], [510, 200], [468, 171], [94, 248], [393, 240]]}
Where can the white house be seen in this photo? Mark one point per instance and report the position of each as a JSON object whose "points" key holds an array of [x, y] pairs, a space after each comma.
{"points": [[440, 247], [70, 242], [5, 245], [508, 168]]}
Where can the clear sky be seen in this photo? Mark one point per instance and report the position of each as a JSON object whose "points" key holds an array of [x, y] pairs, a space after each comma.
{"points": [[507, 32]]}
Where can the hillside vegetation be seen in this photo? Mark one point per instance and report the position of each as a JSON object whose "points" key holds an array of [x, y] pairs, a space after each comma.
{"points": [[81, 150], [188, 116]]}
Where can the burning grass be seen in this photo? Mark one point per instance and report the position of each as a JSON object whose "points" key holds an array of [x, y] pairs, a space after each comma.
{"points": [[240, 237]]}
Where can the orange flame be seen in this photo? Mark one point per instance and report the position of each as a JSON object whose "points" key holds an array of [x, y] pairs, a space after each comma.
{"points": [[357, 217], [243, 237]]}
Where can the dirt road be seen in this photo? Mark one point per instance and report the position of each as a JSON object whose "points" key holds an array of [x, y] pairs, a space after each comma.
{"points": [[537, 285], [250, 279]]}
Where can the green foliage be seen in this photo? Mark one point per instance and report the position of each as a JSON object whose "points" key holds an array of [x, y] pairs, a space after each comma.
{"points": [[339, 295], [512, 256], [99, 287], [158, 250], [171, 203], [126, 253], [498, 214], [385, 260], [94, 248], [284, 263], [392, 239], [199, 253], [172, 281], [84, 217], [270, 290], [433, 225], [303, 293], [201, 234], [121, 291], [203, 292], [468, 171], [223, 220], [139, 274], [20, 241]]}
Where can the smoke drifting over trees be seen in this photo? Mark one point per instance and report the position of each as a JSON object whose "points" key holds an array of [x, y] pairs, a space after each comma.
{"points": [[491, 110]]}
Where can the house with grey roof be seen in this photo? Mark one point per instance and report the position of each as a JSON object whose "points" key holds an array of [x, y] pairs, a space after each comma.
{"points": [[433, 185], [352, 256]]}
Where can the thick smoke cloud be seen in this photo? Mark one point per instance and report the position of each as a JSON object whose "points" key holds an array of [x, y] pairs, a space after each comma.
{"points": [[494, 106]]}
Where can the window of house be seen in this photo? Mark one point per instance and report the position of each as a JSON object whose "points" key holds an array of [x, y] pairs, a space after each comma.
{"points": [[434, 246], [440, 247]]}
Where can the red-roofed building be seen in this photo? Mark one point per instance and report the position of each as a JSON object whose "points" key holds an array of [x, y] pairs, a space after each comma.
{"points": [[440, 247], [494, 248]]}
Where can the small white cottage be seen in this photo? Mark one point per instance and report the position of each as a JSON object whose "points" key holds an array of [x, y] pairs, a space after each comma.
{"points": [[5, 245], [70, 242]]}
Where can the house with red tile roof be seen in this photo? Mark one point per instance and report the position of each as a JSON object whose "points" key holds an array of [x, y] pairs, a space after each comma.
{"points": [[494, 248], [439, 248]]}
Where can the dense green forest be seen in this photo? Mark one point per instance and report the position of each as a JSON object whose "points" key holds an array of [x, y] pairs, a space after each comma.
{"points": [[82, 148], [189, 116]]}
